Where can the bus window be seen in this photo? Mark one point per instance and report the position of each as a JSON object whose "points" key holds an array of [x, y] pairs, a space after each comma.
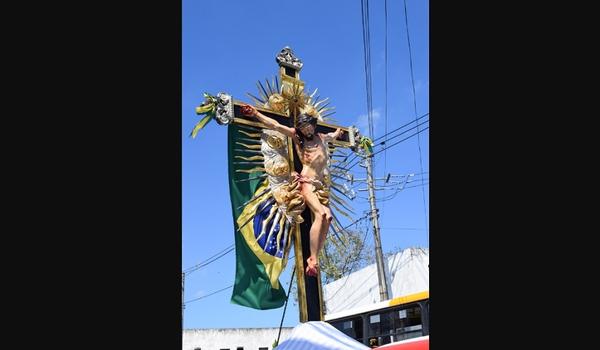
{"points": [[407, 322], [426, 318], [395, 324], [401, 318], [352, 327], [380, 327]]}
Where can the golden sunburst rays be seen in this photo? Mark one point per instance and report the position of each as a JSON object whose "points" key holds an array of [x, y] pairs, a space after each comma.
{"points": [[295, 99], [317, 107], [270, 96], [291, 98], [252, 159], [320, 107]]}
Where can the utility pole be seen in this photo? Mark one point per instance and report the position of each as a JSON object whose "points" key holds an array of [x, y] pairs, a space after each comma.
{"points": [[182, 302], [398, 183], [383, 292]]}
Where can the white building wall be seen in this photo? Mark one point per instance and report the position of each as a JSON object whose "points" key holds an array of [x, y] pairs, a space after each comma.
{"points": [[233, 338], [407, 273]]}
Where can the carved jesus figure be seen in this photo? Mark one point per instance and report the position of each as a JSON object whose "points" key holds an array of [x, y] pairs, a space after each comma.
{"points": [[312, 149]]}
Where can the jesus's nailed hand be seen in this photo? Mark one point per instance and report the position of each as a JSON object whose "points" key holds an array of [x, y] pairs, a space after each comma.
{"points": [[248, 110]]}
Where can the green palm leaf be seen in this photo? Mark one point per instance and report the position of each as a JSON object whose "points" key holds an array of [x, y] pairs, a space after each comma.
{"points": [[200, 125], [366, 144], [204, 108]]}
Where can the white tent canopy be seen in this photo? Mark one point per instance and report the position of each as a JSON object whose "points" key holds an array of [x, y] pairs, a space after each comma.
{"points": [[318, 335]]}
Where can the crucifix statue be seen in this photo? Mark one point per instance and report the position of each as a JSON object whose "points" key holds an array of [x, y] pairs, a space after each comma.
{"points": [[280, 181]]}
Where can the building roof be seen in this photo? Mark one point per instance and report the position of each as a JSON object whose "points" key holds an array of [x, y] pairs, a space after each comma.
{"points": [[407, 273]]}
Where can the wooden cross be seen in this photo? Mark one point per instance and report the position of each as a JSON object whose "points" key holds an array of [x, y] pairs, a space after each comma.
{"points": [[229, 111]]}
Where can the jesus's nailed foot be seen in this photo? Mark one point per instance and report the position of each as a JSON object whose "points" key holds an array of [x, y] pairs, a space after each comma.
{"points": [[312, 268]]}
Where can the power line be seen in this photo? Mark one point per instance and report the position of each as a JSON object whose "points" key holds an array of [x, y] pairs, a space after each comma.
{"points": [[359, 182], [221, 251], [419, 185], [212, 259], [356, 155], [395, 184], [208, 262], [223, 289], [402, 133], [207, 295], [394, 144], [356, 221], [410, 59], [368, 23], [402, 126], [382, 143], [367, 53], [393, 195], [415, 104], [386, 95], [403, 228], [404, 139]]}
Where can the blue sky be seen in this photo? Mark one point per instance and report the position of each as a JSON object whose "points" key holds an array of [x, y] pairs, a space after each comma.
{"points": [[229, 45]]}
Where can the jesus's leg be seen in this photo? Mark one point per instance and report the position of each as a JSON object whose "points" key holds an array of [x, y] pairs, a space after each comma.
{"points": [[319, 215]]}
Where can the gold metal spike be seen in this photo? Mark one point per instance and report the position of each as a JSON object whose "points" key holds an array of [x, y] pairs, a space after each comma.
{"points": [[341, 211], [249, 146], [288, 232], [253, 170], [271, 92], [250, 128], [248, 163], [246, 151], [316, 105], [281, 232], [337, 226], [266, 221], [262, 91], [250, 134], [251, 158], [277, 217], [249, 140], [342, 202], [257, 101]]}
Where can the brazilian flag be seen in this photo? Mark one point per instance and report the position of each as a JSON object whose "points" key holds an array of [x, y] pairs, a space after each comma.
{"points": [[261, 249]]}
